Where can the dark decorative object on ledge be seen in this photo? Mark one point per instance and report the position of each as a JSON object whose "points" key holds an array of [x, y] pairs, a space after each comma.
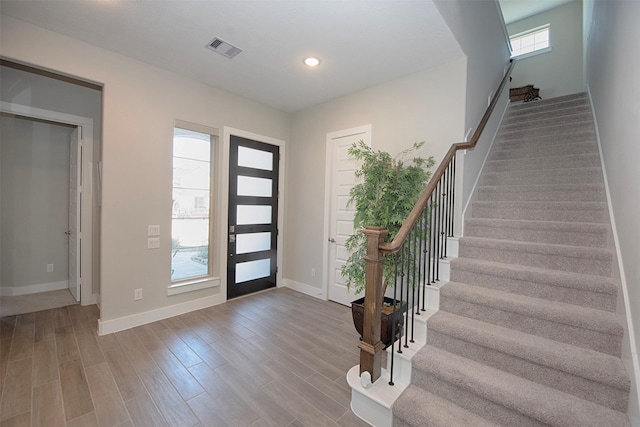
{"points": [[525, 93], [392, 320]]}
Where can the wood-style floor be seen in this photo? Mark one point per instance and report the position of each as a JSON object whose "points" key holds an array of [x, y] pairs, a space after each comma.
{"points": [[278, 358]]}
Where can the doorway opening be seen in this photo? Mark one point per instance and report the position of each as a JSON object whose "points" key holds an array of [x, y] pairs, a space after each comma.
{"points": [[49, 211]]}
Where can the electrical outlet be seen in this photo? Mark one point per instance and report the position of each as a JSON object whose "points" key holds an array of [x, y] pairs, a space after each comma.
{"points": [[313, 272], [153, 230], [49, 268], [137, 294], [153, 243]]}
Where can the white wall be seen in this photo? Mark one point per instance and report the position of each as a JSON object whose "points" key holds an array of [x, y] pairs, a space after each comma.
{"points": [[23, 87], [612, 79], [479, 28], [558, 72], [34, 189], [140, 104], [425, 106]]}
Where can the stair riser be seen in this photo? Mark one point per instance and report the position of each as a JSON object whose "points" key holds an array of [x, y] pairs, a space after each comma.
{"points": [[528, 116], [526, 213], [593, 340], [472, 402], [573, 176], [503, 143], [552, 261], [596, 392], [541, 196], [532, 122], [541, 163], [539, 235], [546, 131], [532, 152], [580, 297]]}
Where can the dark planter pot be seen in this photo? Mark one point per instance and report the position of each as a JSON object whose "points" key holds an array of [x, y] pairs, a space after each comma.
{"points": [[387, 322]]}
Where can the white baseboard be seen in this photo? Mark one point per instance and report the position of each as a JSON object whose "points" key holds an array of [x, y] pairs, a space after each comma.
{"points": [[304, 288], [14, 291], [138, 319]]}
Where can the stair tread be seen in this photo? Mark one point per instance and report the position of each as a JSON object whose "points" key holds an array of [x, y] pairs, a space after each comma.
{"points": [[549, 157], [565, 109], [539, 402], [539, 275], [530, 122], [520, 188], [578, 361], [544, 205], [538, 248], [583, 227], [554, 311], [418, 407]]}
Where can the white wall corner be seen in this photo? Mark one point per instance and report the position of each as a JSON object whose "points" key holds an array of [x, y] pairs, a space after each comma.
{"points": [[632, 365]]}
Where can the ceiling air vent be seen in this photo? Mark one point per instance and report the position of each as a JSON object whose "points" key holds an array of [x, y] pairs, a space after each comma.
{"points": [[224, 48]]}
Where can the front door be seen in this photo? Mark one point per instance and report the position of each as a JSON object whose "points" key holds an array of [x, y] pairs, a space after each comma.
{"points": [[253, 216], [341, 178]]}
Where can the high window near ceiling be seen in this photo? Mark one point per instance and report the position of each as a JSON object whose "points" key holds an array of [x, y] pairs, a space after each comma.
{"points": [[192, 198], [530, 42]]}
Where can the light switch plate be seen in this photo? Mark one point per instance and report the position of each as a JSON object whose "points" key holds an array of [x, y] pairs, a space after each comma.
{"points": [[153, 243], [153, 230]]}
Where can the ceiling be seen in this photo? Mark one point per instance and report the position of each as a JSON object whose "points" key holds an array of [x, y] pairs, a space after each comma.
{"points": [[515, 10], [360, 43]]}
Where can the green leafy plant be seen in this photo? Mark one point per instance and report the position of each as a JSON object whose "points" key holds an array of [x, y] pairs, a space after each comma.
{"points": [[387, 190]]}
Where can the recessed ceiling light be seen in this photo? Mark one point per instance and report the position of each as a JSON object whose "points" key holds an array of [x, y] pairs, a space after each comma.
{"points": [[311, 62]]}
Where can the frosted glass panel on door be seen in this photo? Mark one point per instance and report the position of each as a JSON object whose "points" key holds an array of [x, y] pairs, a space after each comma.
{"points": [[253, 214], [256, 159], [252, 270], [253, 242], [250, 186]]}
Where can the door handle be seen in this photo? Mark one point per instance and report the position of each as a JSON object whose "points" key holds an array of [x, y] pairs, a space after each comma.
{"points": [[68, 233], [332, 240]]}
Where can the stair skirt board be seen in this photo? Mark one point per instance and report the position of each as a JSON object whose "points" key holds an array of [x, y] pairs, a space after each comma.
{"points": [[526, 332]]}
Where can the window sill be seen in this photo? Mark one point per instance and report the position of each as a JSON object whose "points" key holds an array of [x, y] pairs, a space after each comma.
{"points": [[534, 53], [194, 285]]}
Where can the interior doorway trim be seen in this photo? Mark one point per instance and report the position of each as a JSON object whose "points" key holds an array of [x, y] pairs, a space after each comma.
{"points": [[87, 297], [329, 151]]}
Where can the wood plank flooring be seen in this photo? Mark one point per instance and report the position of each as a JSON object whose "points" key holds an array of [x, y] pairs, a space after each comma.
{"points": [[277, 358]]}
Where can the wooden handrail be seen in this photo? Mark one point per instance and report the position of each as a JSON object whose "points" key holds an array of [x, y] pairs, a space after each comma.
{"points": [[395, 245]]}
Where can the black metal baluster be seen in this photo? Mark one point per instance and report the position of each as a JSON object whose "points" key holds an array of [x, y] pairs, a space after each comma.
{"points": [[452, 192], [406, 311], [393, 324], [432, 240], [446, 209], [414, 284], [401, 289], [437, 231]]}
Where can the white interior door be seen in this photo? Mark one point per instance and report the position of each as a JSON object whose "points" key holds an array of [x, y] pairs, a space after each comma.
{"points": [[75, 213], [341, 177]]}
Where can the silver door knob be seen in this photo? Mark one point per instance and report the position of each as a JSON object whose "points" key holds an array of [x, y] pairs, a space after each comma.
{"points": [[332, 240]]}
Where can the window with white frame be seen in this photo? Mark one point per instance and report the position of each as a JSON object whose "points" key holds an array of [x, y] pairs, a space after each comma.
{"points": [[533, 40], [191, 225]]}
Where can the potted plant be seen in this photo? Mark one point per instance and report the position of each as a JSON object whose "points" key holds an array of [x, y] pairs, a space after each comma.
{"points": [[387, 191]]}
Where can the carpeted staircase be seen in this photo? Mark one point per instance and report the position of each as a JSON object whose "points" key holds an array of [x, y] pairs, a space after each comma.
{"points": [[527, 333]]}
